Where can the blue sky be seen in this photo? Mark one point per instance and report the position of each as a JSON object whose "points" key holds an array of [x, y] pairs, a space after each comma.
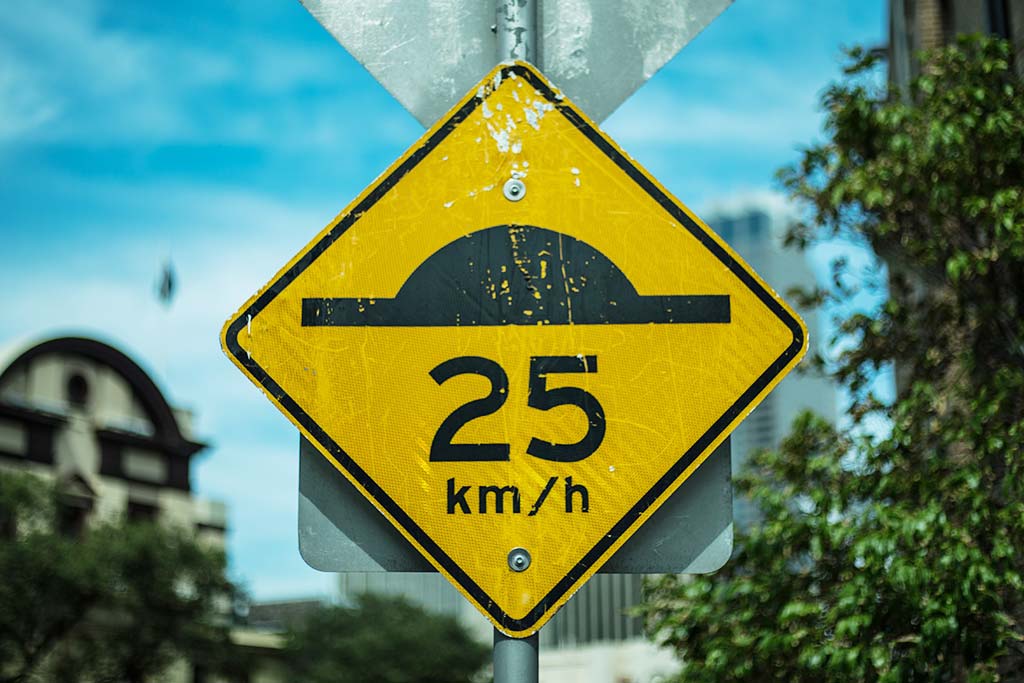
{"points": [[223, 135]]}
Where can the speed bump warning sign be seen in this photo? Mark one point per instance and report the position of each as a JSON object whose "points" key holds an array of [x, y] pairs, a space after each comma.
{"points": [[516, 344]]}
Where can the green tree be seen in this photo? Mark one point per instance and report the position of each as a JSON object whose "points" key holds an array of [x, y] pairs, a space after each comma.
{"points": [[895, 557], [167, 599], [49, 581], [382, 640], [119, 602]]}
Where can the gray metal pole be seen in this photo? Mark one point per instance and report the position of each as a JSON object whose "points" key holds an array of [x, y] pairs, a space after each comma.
{"points": [[516, 26], [515, 659]]}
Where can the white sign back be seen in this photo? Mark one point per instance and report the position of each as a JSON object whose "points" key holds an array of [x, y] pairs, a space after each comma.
{"points": [[428, 53]]}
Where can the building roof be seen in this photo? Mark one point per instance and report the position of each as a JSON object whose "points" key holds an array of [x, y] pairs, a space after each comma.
{"points": [[165, 423]]}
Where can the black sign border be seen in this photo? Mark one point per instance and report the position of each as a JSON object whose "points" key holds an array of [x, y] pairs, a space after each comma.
{"points": [[379, 496]]}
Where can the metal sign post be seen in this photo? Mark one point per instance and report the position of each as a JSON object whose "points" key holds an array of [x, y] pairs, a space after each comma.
{"points": [[516, 660], [516, 28]]}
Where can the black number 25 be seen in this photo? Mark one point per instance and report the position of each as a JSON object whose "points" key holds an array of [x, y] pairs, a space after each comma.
{"points": [[539, 396]]}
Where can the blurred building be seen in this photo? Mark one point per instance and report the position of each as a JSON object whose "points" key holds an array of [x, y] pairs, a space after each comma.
{"points": [[916, 25], [83, 413], [86, 414], [758, 236], [277, 616]]}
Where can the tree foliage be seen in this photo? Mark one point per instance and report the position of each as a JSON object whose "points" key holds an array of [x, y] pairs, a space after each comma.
{"points": [[895, 557], [120, 602], [49, 581], [167, 599], [383, 640]]}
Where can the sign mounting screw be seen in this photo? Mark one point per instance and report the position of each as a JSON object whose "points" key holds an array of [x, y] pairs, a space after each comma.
{"points": [[519, 559], [514, 189]]}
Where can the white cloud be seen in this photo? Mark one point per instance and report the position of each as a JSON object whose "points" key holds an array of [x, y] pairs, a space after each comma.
{"points": [[671, 123], [67, 76], [729, 97], [23, 105], [665, 119]]}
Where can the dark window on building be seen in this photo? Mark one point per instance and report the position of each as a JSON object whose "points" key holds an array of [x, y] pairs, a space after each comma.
{"points": [[948, 24], [142, 512], [8, 525], [40, 443], [998, 19], [77, 390], [758, 223], [71, 516], [726, 230]]}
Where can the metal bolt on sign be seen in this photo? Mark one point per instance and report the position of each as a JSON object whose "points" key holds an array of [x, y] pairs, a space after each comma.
{"points": [[519, 559], [514, 190]]}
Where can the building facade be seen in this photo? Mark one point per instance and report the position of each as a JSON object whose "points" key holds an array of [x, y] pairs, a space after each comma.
{"points": [[757, 235], [916, 25], [84, 414]]}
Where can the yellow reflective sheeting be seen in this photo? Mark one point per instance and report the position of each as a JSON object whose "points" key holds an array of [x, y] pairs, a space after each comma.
{"points": [[668, 393]]}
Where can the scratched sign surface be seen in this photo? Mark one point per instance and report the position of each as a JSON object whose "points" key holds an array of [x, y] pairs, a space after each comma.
{"points": [[498, 370]]}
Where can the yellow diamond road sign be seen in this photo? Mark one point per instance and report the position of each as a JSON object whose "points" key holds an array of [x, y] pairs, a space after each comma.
{"points": [[517, 345]]}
